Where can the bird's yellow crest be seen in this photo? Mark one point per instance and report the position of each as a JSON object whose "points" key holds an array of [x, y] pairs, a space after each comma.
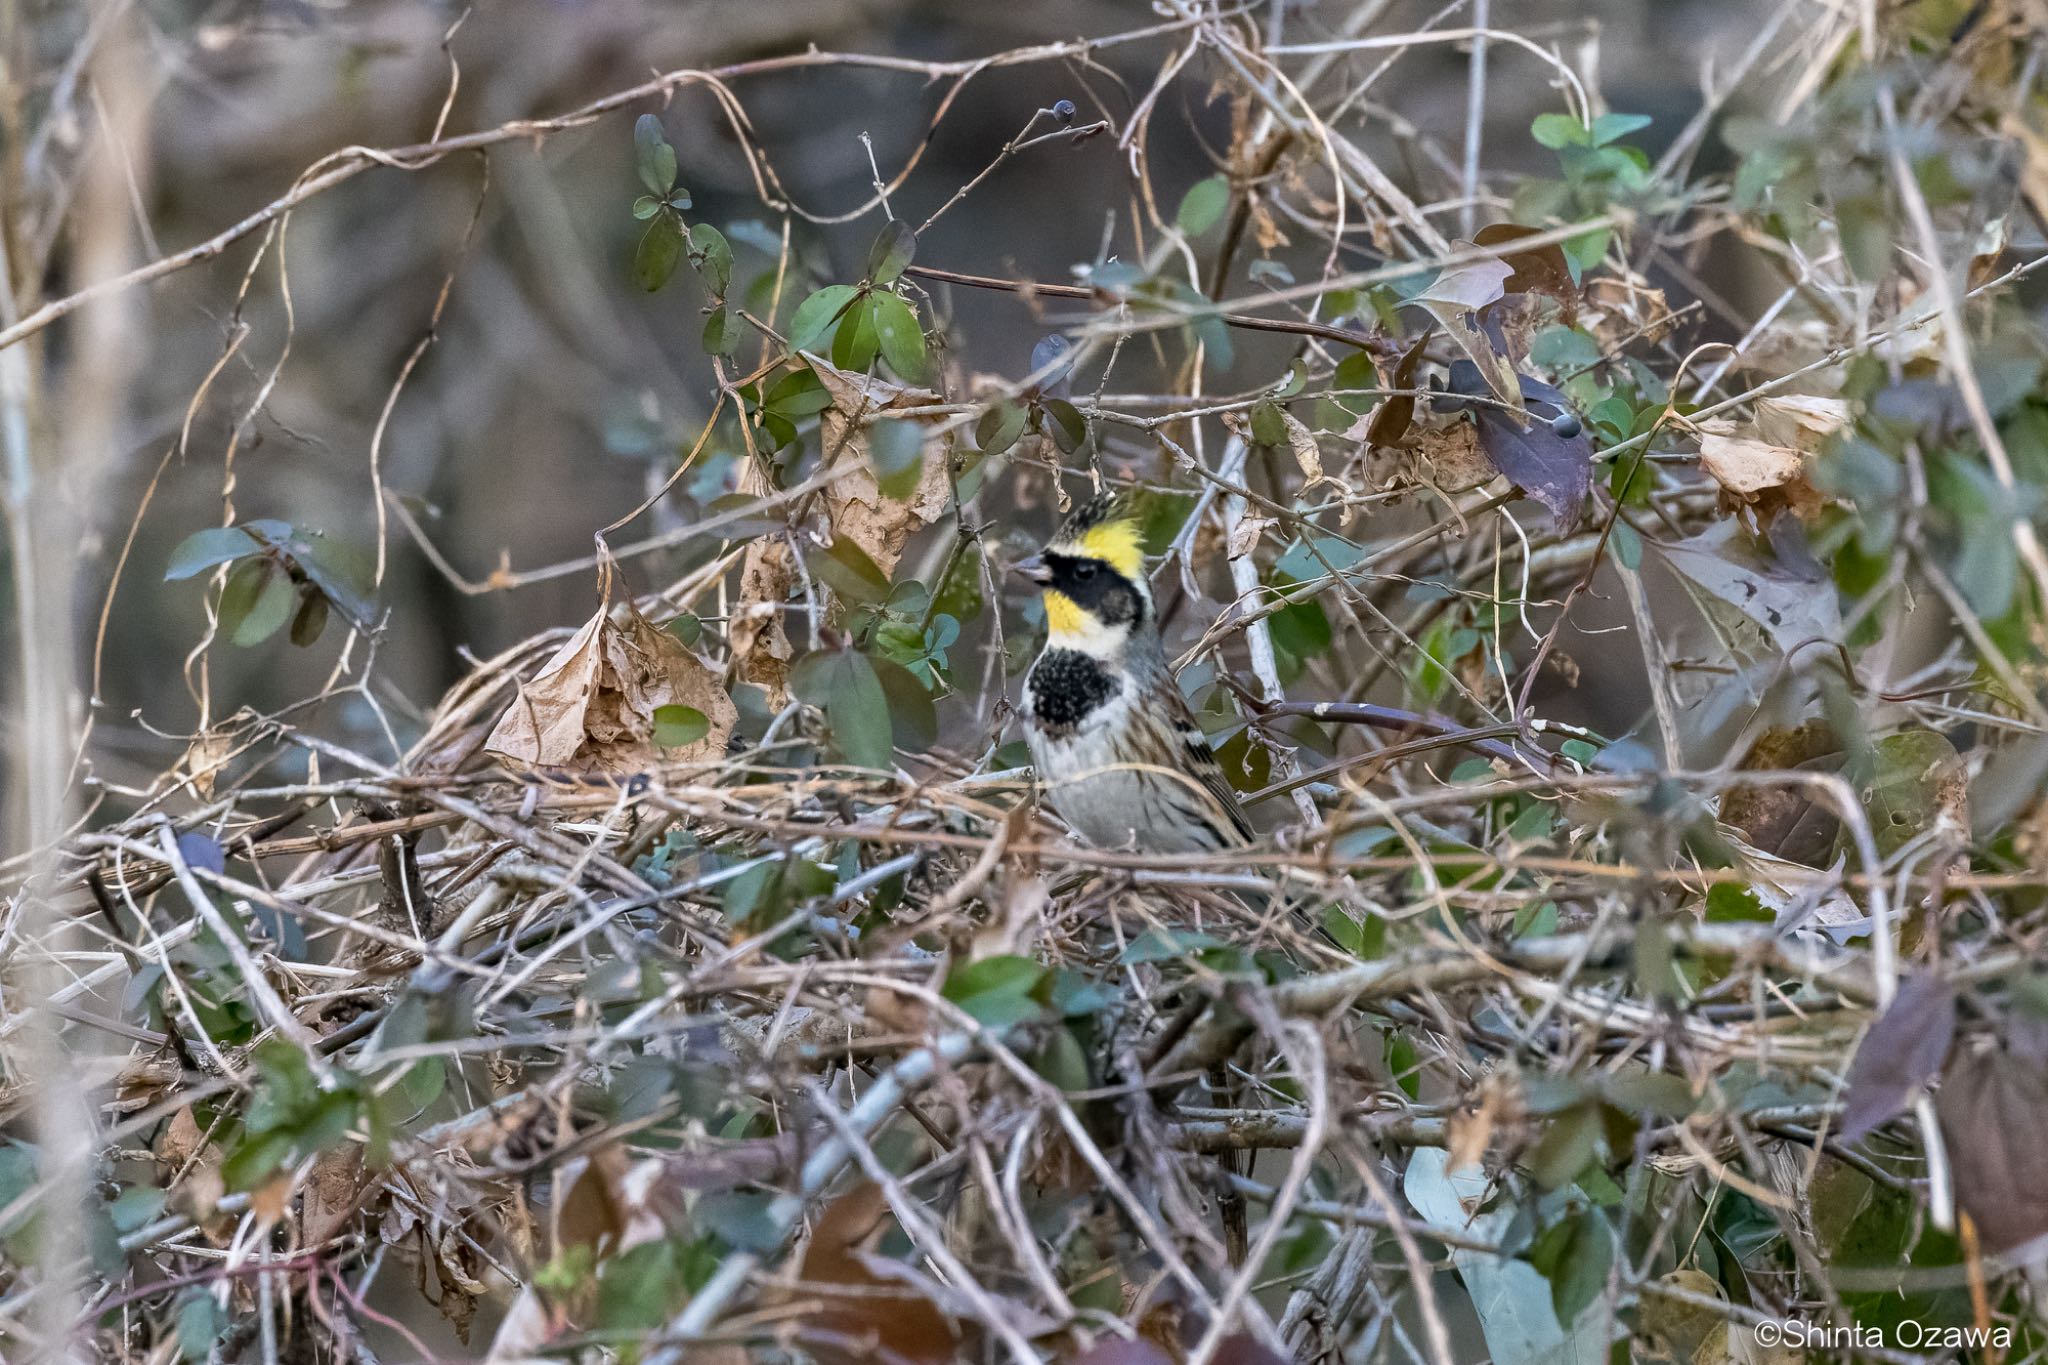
{"points": [[1119, 544]]}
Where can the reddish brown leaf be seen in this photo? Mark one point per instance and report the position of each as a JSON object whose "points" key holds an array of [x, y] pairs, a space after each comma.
{"points": [[1537, 269], [1390, 421], [887, 1314]]}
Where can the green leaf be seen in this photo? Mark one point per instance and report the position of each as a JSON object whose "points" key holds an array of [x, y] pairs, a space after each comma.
{"points": [[1404, 1062], [1560, 130], [645, 207], [1000, 427], [816, 315], [1918, 781], [1064, 1062], [1575, 1255], [857, 342], [797, 395], [653, 157], [1608, 127], [337, 569], [844, 567], [1201, 208], [137, 1206], [1628, 545], [1065, 425], [1167, 945], [637, 1289], [895, 247], [202, 550], [721, 333], [310, 620], [741, 1219], [712, 255], [1353, 384], [902, 340], [912, 715], [998, 991], [661, 247], [677, 725], [1568, 1146], [256, 602], [1728, 903], [843, 685], [1269, 426], [896, 450], [201, 1324], [1585, 251]]}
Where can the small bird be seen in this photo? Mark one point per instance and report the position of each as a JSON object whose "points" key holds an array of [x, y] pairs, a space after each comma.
{"points": [[1118, 753]]}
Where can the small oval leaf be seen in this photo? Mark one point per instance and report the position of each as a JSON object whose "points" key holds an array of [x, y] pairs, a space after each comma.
{"points": [[894, 249], [661, 247], [816, 315], [900, 337], [653, 157]]}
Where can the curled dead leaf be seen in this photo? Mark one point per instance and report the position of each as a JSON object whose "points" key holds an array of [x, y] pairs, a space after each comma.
{"points": [[207, 754], [1745, 467], [591, 707], [897, 1320], [854, 502], [334, 1192], [754, 632], [1302, 442], [1454, 299], [1448, 458], [1783, 820], [1799, 421]]}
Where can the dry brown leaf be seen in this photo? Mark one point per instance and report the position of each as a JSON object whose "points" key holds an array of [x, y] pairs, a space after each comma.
{"points": [[1449, 459], [1626, 310], [334, 1192], [1302, 442], [591, 707], [269, 1200], [857, 508], [180, 1141], [1800, 421], [754, 633], [205, 757], [1446, 458], [613, 1203], [1746, 467], [1779, 820], [1244, 537], [1470, 1128], [1455, 299], [893, 1318]]}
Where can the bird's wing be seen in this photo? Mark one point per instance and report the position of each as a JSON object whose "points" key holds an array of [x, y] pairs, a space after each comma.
{"points": [[1201, 762]]}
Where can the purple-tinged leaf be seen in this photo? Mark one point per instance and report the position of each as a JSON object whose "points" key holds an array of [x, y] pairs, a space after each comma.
{"points": [[1993, 1109], [1555, 470], [203, 853], [1903, 1051]]}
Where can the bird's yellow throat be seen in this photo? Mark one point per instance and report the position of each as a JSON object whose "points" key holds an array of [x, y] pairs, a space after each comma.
{"points": [[1064, 616]]}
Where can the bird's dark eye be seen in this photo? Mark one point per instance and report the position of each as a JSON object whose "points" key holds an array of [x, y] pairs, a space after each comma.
{"points": [[1085, 569]]}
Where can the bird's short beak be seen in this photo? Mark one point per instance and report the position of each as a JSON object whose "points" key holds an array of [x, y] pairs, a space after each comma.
{"points": [[1033, 569]]}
